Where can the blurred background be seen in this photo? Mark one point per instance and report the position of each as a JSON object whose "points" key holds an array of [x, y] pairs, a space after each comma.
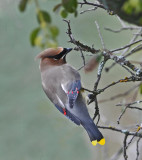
{"points": [[30, 126]]}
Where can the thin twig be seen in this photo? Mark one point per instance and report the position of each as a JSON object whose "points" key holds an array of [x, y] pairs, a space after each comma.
{"points": [[100, 68], [125, 147], [126, 49], [121, 21], [136, 102], [120, 95], [121, 29], [88, 10], [85, 89], [131, 139], [101, 38], [121, 60], [82, 56], [137, 148], [96, 111], [134, 50], [128, 45], [128, 70], [134, 38], [118, 121], [91, 4], [124, 131], [114, 83], [78, 43], [138, 108], [126, 79]]}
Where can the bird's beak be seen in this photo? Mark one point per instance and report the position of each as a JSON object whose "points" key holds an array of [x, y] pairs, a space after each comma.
{"points": [[65, 52], [68, 50]]}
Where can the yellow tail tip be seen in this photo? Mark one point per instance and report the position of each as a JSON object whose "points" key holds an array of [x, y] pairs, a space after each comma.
{"points": [[94, 143], [102, 141]]}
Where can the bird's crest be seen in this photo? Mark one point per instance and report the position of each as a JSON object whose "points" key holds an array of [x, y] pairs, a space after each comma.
{"points": [[49, 52]]}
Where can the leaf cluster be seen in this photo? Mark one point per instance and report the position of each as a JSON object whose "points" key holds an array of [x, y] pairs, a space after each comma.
{"points": [[45, 35]]}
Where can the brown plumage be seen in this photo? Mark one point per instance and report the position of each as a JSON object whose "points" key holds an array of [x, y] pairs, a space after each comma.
{"points": [[49, 52]]}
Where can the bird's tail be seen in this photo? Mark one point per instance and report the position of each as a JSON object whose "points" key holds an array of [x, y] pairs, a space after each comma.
{"points": [[93, 132]]}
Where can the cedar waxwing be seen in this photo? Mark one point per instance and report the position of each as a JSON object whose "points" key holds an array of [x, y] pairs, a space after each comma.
{"points": [[62, 85]]}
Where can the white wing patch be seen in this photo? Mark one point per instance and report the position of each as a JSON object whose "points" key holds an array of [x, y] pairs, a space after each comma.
{"points": [[59, 100], [64, 88]]}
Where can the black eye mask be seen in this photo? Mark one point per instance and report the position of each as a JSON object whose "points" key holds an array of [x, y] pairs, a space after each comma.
{"points": [[61, 54]]}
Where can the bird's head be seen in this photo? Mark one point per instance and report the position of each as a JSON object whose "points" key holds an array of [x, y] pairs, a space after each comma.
{"points": [[54, 54]]}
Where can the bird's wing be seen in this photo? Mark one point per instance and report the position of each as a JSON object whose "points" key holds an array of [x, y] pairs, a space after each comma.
{"points": [[61, 106], [65, 92], [72, 90], [69, 115]]}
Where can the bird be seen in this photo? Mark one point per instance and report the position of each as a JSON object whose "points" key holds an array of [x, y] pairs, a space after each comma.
{"points": [[62, 84]]}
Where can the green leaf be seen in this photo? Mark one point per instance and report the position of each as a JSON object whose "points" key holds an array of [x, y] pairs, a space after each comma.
{"points": [[22, 5], [132, 6], [140, 88], [38, 41], [57, 7], [64, 13], [70, 5], [43, 16], [54, 31], [34, 35]]}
